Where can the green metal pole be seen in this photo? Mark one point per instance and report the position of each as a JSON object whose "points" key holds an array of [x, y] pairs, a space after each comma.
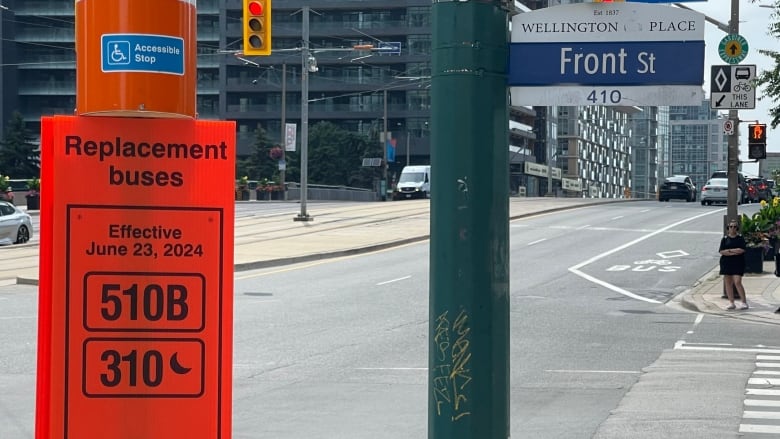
{"points": [[468, 378]]}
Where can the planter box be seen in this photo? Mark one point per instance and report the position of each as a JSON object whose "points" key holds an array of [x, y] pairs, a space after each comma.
{"points": [[33, 202], [754, 260]]}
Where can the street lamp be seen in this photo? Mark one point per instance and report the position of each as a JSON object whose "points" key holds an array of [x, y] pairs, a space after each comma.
{"points": [[308, 64]]}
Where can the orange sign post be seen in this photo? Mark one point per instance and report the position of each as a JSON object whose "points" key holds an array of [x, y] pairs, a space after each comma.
{"points": [[135, 319], [136, 291]]}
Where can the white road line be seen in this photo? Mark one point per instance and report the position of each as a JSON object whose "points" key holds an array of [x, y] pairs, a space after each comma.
{"points": [[761, 415], [681, 345], [768, 364], [537, 241], [768, 357], [767, 372], [576, 268], [761, 403], [764, 381], [391, 368], [394, 280], [748, 428], [616, 217], [591, 371], [763, 392], [698, 320]]}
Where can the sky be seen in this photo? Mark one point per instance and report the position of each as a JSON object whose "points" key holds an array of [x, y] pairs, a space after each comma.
{"points": [[754, 24]]}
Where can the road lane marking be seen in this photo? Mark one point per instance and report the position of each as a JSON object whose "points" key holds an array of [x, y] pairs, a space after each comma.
{"points": [[727, 347], [537, 241], [394, 280], [616, 217], [768, 357], [391, 368], [576, 268], [592, 371]]}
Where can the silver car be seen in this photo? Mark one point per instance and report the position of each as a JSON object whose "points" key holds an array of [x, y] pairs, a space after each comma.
{"points": [[716, 191], [15, 225]]}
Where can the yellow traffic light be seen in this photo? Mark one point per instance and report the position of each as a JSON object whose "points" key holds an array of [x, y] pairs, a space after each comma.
{"points": [[257, 27]]}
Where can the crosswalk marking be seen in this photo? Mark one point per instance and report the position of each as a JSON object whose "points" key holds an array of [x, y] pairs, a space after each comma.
{"points": [[764, 392], [769, 429], [761, 403], [764, 381], [761, 415], [762, 412]]}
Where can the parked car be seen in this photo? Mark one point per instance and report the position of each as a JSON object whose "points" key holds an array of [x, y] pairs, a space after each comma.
{"points": [[741, 182], [15, 225], [716, 191], [679, 187], [758, 190]]}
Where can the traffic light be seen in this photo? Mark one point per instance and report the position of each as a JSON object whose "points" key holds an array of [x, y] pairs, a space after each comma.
{"points": [[257, 27], [757, 141]]}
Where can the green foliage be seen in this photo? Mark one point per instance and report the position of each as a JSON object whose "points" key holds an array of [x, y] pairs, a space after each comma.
{"points": [[34, 184], [19, 156], [336, 157], [770, 79], [259, 164], [765, 223], [3, 182]]}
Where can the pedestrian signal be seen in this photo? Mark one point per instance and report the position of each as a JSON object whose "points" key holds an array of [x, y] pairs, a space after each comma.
{"points": [[757, 133], [757, 151], [257, 27]]}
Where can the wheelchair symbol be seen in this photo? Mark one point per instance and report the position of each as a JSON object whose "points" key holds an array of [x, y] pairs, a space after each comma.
{"points": [[118, 52]]}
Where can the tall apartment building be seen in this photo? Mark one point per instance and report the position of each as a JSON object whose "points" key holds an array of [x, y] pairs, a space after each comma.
{"points": [[358, 90], [39, 77], [697, 145]]}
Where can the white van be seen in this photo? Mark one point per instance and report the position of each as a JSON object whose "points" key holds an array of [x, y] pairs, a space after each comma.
{"points": [[415, 182]]}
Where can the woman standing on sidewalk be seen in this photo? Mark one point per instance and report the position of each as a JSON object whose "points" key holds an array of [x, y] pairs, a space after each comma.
{"points": [[732, 263]]}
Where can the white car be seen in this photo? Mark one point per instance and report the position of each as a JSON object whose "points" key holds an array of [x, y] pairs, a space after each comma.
{"points": [[15, 225], [716, 191]]}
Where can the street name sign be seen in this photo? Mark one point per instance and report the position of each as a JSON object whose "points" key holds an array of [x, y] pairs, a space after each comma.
{"points": [[622, 54], [733, 87]]}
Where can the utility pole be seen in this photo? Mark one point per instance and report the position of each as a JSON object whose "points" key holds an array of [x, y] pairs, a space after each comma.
{"points": [[733, 141], [468, 360], [305, 55], [383, 184], [284, 130]]}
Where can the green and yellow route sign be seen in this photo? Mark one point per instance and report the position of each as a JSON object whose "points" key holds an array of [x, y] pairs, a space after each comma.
{"points": [[733, 48]]}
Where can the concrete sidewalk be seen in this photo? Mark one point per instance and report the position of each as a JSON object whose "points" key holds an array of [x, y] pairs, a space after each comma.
{"points": [[762, 290]]}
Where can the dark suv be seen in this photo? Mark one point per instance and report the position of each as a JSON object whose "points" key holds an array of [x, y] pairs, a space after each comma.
{"points": [[758, 190], [679, 187]]}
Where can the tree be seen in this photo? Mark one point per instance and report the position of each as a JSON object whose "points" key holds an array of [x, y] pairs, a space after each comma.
{"points": [[19, 156], [336, 157], [259, 164], [770, 79]]}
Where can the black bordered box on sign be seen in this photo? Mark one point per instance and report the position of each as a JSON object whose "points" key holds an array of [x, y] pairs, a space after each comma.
{"points": [[157, 300], [125, 368]]}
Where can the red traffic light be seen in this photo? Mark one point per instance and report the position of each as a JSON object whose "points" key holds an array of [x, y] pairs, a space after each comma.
{"points": [[255, 8]]}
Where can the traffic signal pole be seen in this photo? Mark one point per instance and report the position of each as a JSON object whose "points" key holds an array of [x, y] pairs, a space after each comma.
{"points": [[733, 141], [468, 373]]}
